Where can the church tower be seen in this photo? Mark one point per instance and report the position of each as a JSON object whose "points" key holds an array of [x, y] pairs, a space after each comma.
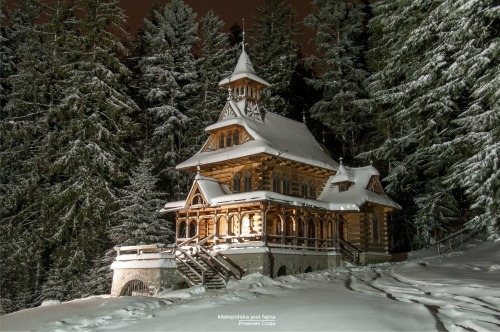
{"points": [[244, 84]]}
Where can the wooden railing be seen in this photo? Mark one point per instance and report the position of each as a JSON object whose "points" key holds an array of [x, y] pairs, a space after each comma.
{"points": [[233, 264], [188, 241], [216, 265], [192, 260], [350, 250], [148, 248], [471, 233]]}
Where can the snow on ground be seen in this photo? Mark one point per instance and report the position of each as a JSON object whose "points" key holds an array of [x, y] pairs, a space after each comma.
{"points": [[459, 292]]}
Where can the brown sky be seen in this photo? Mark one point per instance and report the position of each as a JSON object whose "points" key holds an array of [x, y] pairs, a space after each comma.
{"points": [[230, 11]]}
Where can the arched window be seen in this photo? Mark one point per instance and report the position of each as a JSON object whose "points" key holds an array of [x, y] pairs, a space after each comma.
{"points": [[304, 188], [237, 183], [182, 230], [197, 200], [234, 226], [229, 138], [236, 137], [286, 184], [301, 230], [312, 189], [276, 183], [248, 181], [278, 226], [192, 229], [221, 227], [222, 138], [289, 231], [311, 229]]}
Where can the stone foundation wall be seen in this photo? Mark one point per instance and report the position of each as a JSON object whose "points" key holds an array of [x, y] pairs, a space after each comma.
{"points": [[156, 279], [374, 258], [290, 261]]}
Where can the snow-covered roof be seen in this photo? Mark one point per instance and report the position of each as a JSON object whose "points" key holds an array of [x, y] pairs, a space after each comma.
{"points": [[275, 135], [357, 193], [360, 175], [243, 69], [209, 188], [330, 199]]}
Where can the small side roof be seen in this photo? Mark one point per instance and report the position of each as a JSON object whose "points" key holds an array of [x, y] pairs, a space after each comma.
{"points": [[209, 188], [358, 193]]}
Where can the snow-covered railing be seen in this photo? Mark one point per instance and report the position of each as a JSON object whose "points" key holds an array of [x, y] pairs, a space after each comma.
{"points": [[471, 233], [142, 249]]}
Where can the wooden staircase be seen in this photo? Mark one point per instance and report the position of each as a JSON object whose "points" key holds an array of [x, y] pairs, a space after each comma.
{"points": [[349, 252], [199, 267]]}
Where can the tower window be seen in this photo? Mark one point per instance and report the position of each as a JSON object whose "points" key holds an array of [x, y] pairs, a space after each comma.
{"points": [[276, 183], [312, 189], [237, 183], [236, 137], [248, 181], [286, 184], [222, 138], [304, 188]]}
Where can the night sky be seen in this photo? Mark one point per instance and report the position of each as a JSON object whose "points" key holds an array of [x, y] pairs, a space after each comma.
{"points": [[230, 11]]}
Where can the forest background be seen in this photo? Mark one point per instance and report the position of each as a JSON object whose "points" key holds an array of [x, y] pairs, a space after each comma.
{"points": [[94, 120]]}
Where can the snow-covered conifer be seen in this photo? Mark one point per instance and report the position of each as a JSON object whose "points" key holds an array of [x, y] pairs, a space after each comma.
{"points": [[338, 25], [276, 54]]}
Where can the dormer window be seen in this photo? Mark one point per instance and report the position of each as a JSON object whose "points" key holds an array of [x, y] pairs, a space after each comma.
{"points": [[197, 200], [344, 186], [229, 139]]}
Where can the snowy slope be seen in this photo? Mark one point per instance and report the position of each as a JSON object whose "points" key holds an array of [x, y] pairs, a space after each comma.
{"points": [[460, 292]]}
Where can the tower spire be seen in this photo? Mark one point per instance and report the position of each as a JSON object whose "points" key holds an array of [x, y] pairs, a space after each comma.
{"points": [[243, 41]]}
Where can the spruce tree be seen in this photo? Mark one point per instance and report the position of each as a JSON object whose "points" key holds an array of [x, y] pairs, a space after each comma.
{"points": [[276, 55], [338, 25], [138, 222], [169, 84], [477, 138], [23, 126], [423, 85], [216, 62], [86, 147]]}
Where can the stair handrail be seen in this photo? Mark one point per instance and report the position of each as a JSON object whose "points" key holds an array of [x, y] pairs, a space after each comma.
{"points": [[227, 271], [449, 238], [191, 258], [355, 251], [205, 239], [233, 264], [188, 240], [201, 276]]}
